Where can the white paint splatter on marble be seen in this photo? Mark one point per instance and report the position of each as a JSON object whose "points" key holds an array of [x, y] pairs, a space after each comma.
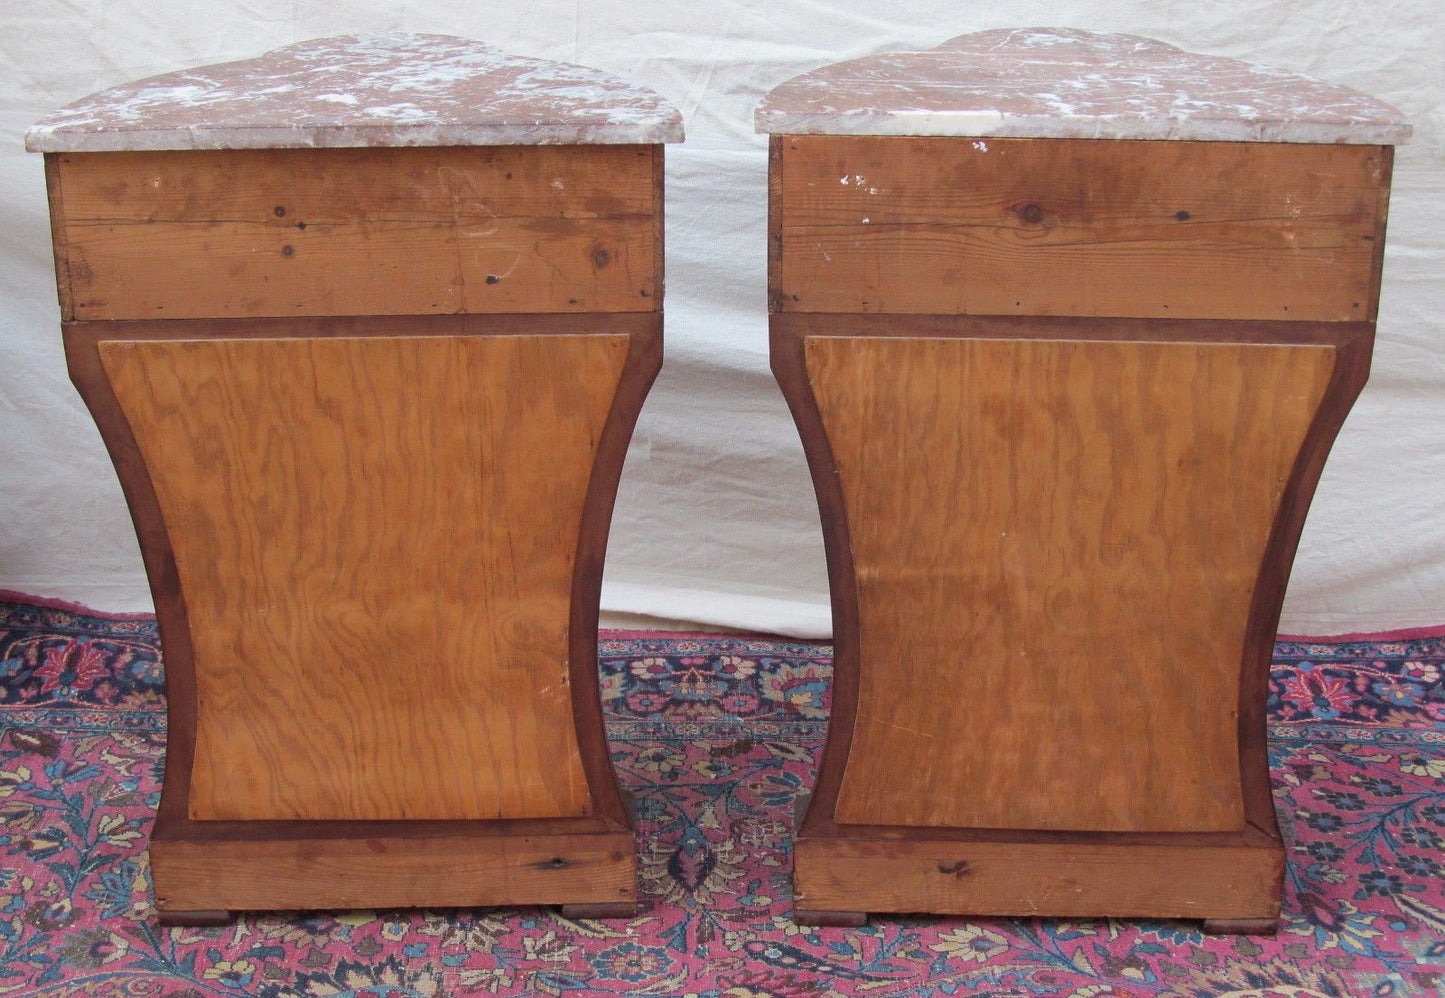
{"points": [[1067, 83], [365, 90]]}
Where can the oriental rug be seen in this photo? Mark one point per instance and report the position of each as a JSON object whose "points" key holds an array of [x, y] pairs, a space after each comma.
{"points": [[716, 737]]}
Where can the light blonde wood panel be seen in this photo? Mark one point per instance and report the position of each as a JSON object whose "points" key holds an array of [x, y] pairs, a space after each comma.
{"points": [[1055, 545], [1060, 880], [455, 870], [375, 539], [1075, 227], [247, 233]]}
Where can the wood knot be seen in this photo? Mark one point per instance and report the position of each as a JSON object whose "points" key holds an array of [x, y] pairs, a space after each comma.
{"points": [[288, 251], [555, 863], [493, 279], [1183, 216], [601, 258], [957, 870], [280, 211], [1030, 214]]}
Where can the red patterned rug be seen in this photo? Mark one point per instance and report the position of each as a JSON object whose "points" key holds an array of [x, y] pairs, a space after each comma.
{"points": [[716, 737]]}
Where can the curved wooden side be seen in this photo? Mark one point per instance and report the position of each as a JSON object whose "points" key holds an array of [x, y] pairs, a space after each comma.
{"points": [[644, 360], [632, 340], [789, 365], [1353, 347], [172, 619]]}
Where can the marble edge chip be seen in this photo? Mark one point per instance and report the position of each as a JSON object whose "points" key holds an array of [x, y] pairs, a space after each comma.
{"points": [[1071, 83], [360, 91]]}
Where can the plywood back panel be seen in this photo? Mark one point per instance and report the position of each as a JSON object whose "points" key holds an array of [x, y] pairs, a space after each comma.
{"points": [[299, 232], [1213, 230], [1055, 544], [375, 539]]}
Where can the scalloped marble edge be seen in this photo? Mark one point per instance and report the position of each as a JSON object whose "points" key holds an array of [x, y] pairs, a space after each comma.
{"points": [[901, 74], [364, 91]]}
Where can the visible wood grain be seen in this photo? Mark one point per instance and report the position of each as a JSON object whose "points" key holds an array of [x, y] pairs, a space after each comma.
{"points": [[1382, 214], [380, 871], [56, 199], [1077, 227], [1023, 515], [243, 233], [378, 593], [1058, 879], [1351, 344], [609, 816], [1352, 341]]}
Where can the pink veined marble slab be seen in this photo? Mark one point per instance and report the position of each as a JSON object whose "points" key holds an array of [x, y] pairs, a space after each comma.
{"points": [[365, 90], [1066, 83]]}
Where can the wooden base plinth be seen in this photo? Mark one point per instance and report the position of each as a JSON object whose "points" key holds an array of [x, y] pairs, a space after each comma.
{"points": [[204, 873], [194, 918], [830, 919], [1228, 879]]}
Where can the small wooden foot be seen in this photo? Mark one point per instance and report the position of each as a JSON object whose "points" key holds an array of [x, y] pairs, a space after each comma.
{"points": [[1241, 926], [606, 909], [800, 808], [170, 918], [830, 919]]}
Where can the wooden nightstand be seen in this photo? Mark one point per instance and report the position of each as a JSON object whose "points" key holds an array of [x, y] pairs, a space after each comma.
{"points": [[1068, 323], [365, 324]]}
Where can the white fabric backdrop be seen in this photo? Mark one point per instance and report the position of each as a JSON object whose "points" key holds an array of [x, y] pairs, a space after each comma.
{"points": [[715, 520]]}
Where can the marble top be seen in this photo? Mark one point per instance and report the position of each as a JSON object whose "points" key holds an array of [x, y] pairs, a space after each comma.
{"points": [[364, 90], [1066, 83]]}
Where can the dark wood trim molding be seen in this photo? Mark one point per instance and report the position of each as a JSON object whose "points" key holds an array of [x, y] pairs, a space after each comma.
{"points": [[644, 360], [89, 378], [1353, 343], [787, 332]]}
